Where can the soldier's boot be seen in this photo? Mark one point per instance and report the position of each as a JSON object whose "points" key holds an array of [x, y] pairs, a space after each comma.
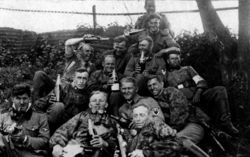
{"points": [[227, 125]]}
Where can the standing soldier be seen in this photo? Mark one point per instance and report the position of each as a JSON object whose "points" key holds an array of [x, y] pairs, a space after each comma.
{"points": [[150, 9], [23, 132]]}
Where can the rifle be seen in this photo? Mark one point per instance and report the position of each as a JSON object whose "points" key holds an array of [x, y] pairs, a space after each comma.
{"points": [[57, 88]]}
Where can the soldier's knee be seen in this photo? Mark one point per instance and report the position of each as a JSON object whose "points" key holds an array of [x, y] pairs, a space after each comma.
{"points": [[220, 90], [58, 106], [39, 73], [54, 112]]}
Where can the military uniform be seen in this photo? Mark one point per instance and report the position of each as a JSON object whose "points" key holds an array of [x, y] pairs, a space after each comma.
{"points": [[162, 40], [34, 125], [77, 129], [125, 111], [141, 72], [141, 22], [214, 101], [152, 143], [180, 115], [43, 84], [99, 80], [120, 61], [72, 101]]}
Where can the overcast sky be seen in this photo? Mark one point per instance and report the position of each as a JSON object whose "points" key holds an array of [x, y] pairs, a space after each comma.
{"points": [[45, 22]]}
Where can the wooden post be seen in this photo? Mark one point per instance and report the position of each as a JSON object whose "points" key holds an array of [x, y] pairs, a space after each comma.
{"points": [[94, 16]]}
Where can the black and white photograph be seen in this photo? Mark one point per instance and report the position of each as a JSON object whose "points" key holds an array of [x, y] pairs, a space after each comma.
{"points": [[124, 78]]}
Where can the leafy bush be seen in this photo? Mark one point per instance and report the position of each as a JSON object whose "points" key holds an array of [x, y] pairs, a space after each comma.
{"points": [[203, 54]]}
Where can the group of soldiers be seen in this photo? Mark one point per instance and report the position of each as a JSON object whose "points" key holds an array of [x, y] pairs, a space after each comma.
{"points": [[141, 103]]}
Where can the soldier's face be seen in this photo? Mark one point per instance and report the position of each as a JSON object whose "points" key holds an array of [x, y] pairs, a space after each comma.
{"points": [[21, 102], [154, 25], [80, 79], [140, 116], [120, 48], [109, 64], [150, 7], [86, 53], [155, 87], [98, 103], [128, 90], [174, 60], [144, 46]]}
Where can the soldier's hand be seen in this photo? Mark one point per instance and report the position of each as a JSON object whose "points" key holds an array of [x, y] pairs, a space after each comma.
{"points": [[98, 142], [18, 139], [137, 68], [159, 54], [57, 151], [136, 153], [167, 131], [197, 96], [52, 99], [86, 36]]}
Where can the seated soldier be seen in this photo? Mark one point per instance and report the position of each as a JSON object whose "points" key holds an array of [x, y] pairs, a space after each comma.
{"points": [[75, 59], [145, 141], [73, 98], [23, 132], [89, 133], [177, 110], [144, 64], [103, 79], [120, 53], [214, 101], [162, 38], [130, 98], [107, 79]]}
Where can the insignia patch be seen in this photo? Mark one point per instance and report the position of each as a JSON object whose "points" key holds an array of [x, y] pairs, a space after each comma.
{"points": [[44, 129], [156, 111]]}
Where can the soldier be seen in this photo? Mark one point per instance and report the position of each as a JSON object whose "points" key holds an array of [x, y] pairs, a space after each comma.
{"points": [[144, 64], [150, 9], [214, 101], [23, 132], [73, 98], [145, 140], [162, 38], [103, 79], [120, 53], [130, 98], [177, 110], [75, 59], [91, 131]]}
